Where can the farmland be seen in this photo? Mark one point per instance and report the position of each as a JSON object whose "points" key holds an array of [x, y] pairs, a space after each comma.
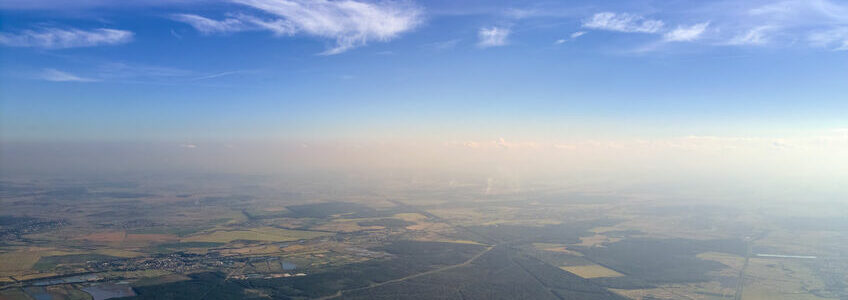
{"points": [[204, 240]]}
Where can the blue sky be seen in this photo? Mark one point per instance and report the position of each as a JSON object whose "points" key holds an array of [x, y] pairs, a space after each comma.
{"points": [[254, 69]]}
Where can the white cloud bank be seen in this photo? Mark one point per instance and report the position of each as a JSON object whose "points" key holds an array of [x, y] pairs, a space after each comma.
{"points": [[57, 38], [492, 37], [350, 23]]}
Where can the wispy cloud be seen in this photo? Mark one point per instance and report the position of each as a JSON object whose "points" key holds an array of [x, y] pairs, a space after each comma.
{"points": [[217, 75], [59, 38], [60, 76], [572, 37], [814, 23], [836, 39], [754, 36], [623, 22], [803, 11], [820, 22], [519, 13], [350, 23], [492, 37], [208, 26], [443, 45], [686, 33], [120, 72], [64, 5]]}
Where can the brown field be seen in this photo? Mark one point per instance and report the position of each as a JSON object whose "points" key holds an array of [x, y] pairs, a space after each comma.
{"points": [[151, 237], [118, 253], [109, 236]]}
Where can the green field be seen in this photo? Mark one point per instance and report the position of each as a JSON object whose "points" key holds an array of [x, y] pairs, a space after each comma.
{"points": [[266, 234]]}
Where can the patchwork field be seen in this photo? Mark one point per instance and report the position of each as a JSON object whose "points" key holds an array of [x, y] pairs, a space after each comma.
{"points": [[268, 234], [592, 271]]}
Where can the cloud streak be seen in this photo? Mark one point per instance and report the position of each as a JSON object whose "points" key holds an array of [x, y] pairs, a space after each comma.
{"points": [[349, 23], [58, 38], [208, 26], [623, 22], [835, 39], [59, 76], [754, 36]]}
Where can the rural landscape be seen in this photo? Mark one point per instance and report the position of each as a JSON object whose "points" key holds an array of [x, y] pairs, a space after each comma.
{"points": [[234, 237], [424, 149]]}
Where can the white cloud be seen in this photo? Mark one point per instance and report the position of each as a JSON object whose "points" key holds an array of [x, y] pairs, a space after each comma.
{"points": [[517, 13], [803, 11], [492, 37], [57, 38], [209, 26], [572, 37], [623, 22], [577, 34], [685, 34], [188, 146], [820, 22], [59, 76], [836, 39], [65, 5], [755, 36], [350, 23]]}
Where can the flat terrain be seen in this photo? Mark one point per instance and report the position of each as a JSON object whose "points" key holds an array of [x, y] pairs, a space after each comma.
{"points": [[250, 237]]}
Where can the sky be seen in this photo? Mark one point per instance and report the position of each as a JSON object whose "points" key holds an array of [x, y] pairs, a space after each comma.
{"points": [[436, 75]]}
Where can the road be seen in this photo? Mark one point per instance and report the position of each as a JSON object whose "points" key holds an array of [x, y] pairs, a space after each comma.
{"points": [[442, 269]]}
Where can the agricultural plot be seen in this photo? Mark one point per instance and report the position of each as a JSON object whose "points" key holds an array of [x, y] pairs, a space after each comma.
{"points": [[267, 234], [592, 271]]}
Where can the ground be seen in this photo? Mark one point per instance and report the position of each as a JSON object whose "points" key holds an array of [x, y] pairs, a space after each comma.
{"points": [[67, 237]]}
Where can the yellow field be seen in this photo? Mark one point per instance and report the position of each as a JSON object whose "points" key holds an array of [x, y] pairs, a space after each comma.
{"points": [[345, 225], [410, 217], [734, 263], [32, 276], [592, 271], [267, 234], [555, 248], [13, 263], [770, 278], [596, 240], [17, 261], [701, 290]]}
